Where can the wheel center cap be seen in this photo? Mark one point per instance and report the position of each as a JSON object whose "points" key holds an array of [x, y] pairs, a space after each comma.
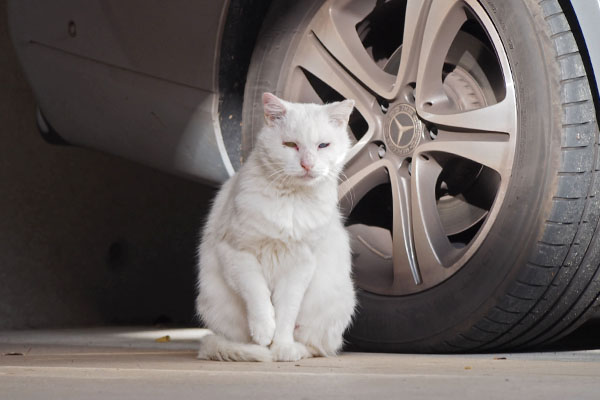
{"points": [[403, 129]]}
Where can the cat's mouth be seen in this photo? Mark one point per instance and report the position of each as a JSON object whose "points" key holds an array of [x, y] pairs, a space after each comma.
{"points": [[308, 176]]}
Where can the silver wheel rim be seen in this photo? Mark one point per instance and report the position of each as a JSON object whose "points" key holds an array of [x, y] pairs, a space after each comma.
{"points": [[435, 131]]}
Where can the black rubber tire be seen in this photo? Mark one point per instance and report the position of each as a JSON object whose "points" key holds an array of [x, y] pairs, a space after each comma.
{"points": [[536, 277]]}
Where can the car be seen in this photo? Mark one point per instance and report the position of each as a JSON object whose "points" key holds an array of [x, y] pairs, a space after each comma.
{"points": [[471, 189]]}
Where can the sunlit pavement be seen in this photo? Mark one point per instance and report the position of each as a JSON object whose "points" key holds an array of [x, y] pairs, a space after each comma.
{"points": [[136, 363]]}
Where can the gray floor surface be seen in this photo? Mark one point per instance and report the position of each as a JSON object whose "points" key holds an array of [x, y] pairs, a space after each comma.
{"points": [[131, 363]]}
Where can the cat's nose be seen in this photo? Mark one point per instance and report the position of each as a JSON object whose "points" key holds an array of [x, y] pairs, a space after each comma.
{"points": [[307, 166]]}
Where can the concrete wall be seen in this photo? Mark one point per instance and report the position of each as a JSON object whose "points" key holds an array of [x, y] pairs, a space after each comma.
{"points": [[87, 238]]}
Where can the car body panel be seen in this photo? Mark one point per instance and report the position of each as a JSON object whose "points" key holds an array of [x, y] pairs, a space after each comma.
{"points": [[137, 79]]}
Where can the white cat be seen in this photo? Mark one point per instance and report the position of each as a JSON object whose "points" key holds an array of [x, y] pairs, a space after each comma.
{"points": [[275, 267]]}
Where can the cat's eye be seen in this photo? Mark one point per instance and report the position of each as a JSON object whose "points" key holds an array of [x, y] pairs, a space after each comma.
{"points": [[323, 145], [291, 144]]}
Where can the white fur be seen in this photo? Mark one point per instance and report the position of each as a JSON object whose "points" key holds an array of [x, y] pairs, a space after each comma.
{"points": [[275, 266]]}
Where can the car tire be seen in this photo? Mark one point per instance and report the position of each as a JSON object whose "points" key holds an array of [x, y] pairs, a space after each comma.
{"points": [[533, 274]]}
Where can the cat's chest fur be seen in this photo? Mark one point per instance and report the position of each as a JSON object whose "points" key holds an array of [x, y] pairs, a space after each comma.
{"points": [[289, 218]]}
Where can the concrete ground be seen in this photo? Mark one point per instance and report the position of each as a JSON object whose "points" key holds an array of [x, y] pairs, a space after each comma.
{"points": [[130, 363]]}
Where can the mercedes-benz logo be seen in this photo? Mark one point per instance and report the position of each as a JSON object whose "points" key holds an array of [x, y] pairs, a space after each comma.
{"points": [[403, 129]]}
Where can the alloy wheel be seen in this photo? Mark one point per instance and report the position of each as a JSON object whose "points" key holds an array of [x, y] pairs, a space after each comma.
{"points": [[434, 131]]}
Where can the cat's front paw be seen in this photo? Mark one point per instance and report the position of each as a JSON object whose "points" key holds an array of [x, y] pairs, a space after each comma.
{"points": [[292, 351], [262, 330]]}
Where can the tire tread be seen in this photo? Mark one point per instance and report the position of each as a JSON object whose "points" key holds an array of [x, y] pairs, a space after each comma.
{"points": [[560, 285]]}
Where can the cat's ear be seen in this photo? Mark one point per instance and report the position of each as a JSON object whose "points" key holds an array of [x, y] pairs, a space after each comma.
{"points": [[274, 108], [339, 112]]}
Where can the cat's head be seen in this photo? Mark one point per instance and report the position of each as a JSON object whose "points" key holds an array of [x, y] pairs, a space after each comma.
{"points": [[305, 143]]}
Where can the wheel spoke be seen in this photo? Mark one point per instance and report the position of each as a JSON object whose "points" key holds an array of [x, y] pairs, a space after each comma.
{"points": [[315, 59], [360, 146], [402, 235], [499, 117], [362, 154], [434, 250], [444, 20], [414, 25], [305, 93], [335, 28], [362, 180], [491, 150]]}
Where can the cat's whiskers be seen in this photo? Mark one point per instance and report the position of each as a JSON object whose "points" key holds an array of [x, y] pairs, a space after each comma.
{"points": [[276, 172], [341, 177], [274, 177]]}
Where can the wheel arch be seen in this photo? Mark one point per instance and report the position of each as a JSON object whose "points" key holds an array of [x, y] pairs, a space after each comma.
{"points": [[241, 30]]}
